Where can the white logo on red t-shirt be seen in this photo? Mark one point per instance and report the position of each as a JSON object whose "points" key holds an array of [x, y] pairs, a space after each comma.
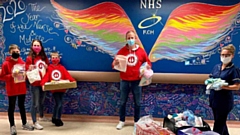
{"points": [[132, 59], [56, 75], [40, 64]]}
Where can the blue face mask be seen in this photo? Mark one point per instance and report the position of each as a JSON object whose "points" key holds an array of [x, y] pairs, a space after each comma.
{"points": [[131, 42]]}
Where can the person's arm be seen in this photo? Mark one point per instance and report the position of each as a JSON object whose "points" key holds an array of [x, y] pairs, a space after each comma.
{"points": [[45, 79], [67, 75], [29, 63], [236, 79], [235, 86], [146, 59], [5, 74], [115, 61]]}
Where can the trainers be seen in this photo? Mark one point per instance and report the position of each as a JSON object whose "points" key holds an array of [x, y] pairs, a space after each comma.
{"points": [[120, 125], [37, 126], [44, 119], [13, 130], [27, 127]]}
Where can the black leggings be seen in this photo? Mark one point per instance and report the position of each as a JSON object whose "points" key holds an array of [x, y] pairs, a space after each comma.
{"points": [[11, 108]]}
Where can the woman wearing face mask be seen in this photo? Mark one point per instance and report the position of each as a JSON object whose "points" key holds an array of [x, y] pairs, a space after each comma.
{"points": [[130, 79], [37, 59], [221, 100], [15, 89]]}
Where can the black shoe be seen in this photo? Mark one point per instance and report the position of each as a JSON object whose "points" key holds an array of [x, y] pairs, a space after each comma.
{"points": [[58, 123], [54, 120]]}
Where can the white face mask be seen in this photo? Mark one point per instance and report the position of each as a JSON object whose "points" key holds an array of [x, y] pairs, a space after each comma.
{"points": [[226, 60]]}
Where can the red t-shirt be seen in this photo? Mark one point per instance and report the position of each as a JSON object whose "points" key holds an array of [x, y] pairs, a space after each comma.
{"points": [[12, 88], [38, 62], [136, 57], [56, 72]]}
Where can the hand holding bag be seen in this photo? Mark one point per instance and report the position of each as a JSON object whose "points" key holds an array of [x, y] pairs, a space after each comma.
{"points": [[33, 75]]}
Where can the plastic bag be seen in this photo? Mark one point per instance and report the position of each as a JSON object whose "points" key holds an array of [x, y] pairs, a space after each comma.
{"points": [[33, 75], [122, 66], [21, 74], [147, 126], [189, 116], [146, 75]]}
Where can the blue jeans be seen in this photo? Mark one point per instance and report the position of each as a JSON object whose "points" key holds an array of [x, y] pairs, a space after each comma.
{"points": [[58, 97], [38, 98], [125, 88]]}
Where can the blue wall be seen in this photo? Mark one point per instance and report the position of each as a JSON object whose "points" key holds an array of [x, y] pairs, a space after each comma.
{"points": [[178, 33], [102, 99]]}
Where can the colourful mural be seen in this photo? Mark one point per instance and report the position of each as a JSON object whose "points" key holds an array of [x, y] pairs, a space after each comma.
{"points": [[195, 29], [103, 25], [178, 34]]}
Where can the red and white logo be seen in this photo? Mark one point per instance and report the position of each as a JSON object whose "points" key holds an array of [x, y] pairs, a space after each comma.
{"points": [[56, 75], [40, 64], [132, 59]]}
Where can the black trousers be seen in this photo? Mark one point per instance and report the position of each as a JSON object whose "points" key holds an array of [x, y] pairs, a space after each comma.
{"points": [[220, 119], [11, 108]]}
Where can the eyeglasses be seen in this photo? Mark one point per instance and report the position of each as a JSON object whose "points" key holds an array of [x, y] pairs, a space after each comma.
{"points": [[225, 55]]}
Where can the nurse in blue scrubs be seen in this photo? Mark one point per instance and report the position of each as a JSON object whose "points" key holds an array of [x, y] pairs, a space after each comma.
{"points": [[221, 100]]}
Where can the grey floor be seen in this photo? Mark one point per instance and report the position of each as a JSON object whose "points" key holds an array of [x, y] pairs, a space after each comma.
{"points": [[81, 128]]}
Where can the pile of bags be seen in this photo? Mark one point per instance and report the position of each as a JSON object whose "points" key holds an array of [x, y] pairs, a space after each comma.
{"points": [[187, 118], [179, 121], [147, 126]]}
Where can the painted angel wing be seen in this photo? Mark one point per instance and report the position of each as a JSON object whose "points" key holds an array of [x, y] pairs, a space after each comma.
{"points": [[193, 29], [103, 25]]}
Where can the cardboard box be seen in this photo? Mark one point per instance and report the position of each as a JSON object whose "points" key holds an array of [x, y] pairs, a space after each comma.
{"points": [[59, 86]]}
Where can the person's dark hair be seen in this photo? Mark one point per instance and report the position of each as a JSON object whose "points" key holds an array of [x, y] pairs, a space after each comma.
{"points": [[41, 53]]}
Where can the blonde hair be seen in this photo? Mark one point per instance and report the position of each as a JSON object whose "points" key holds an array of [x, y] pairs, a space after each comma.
{"points": [[130, 31], [13, 46], [231, 48], [55, 54]]}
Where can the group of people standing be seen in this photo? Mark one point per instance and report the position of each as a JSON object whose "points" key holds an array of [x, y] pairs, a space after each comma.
{"points": [[36, 59], [221, 100]]}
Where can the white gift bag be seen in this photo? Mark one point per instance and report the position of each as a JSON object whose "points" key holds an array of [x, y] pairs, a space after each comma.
{"points": [[33, 75], [122, 66]]}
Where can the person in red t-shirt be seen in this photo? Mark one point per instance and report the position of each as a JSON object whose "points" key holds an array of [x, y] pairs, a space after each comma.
{"points": [[15, 89], [57, 72], [37, 59], [130, 79]]}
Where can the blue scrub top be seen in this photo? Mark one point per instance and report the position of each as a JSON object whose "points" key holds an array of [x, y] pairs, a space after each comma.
{"points": [[224, 98]]}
